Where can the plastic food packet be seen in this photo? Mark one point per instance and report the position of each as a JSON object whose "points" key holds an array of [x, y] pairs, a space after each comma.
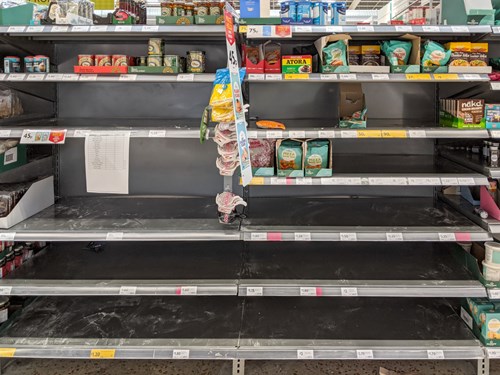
{"points": [[397, 51], [262, 152], [10, 105], [435, 54], [335, 54], [221, 99], [267, 124]]}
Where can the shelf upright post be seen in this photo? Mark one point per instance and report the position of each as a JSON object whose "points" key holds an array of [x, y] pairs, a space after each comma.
{"points": [[238, 367], [483, 366]]}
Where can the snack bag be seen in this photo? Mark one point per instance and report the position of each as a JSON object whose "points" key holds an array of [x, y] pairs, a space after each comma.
{"points": [[316, 154], [397, 51], [290, 155], [435, 54], [335, 54], [221, 99]]}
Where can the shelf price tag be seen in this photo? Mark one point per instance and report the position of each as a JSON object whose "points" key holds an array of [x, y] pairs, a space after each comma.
{"points": [[16, 77], [88, 77], [495, 133], [35, 77], [431, 29], [252, 134], [466, 181], [70, 77], [5, 134], [308, 291], [303, 29], [418, 77], [380, 77], [257, 77], [471, 77], [123, 28], [35, 29], [435, 354], [43, 136], [7, 236], [348, 134], [387, 181], [369, 134], [80, 29], [274, 77], [187, 291], [305, 354], [303, 181], [274, 134], [449, 181], [424, 181], [157, 134], [496, 29], [365, 29], [258, 236], [102, 353], [334, 29], [348, 237], [243, 29], [15, 29], [3, 76], [404, 29], [466, 317], [59, 29], [5, 290], [150, 28], [7, 352], [494, 293], [296, 76], [445, 77], [326, 133], [278, 181], [302, 236], [328, 77], [185, 78], [114, 236], [257, 181], [297, 134], [347, 77], [417, 134], [391, 236], [446, 237], [128, 77], [98, 28], [180, 354], [460, 29], [364, 354], [493, 353], [128, 290], [393, 133], [349, 292], [255, 291]]}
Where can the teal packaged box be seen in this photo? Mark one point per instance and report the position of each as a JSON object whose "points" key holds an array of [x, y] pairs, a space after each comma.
{"points": [[405, 69], [413, 62], [13, 158], [435, 69], [174, 20], [262, 156], [209, 20], [341, 54], [290, 158], [492, 115], [481, 17], [17, 16], [318, 158], [489, 331]]}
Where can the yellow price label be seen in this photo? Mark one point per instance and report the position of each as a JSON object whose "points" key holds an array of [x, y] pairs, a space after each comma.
{"points": [[418, 77], [102, 353], [394, 134], [104, 4], [243, 28], [257, 181], [296, 76], [369, 133], [444, 77], [7, 352], [41, 2]]}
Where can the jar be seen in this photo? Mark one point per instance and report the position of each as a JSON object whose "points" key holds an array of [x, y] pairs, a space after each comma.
{"points": [[179, 9], [189, 9], [4, 309], [195, 62], [167, 9], [18, 256], [202, 8], [10, 262], [215, 8]]}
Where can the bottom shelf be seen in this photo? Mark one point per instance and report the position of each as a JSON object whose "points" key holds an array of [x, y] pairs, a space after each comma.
{"points": [[233, 327]]}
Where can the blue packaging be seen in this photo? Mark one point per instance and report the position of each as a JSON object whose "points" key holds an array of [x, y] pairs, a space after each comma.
{"points": [[320, 13], [288, 9], [250, 8], [339, 9], [303, 10]]}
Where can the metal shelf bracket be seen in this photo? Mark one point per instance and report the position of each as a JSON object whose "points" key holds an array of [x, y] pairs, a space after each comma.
{"points": [[238, 367], [483, 366]]}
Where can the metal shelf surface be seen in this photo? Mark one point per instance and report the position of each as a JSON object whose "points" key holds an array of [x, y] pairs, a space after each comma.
{"points": [[126, 218], [362, 219], [472, 161], [232, 327], [340, 270], [386, 170], [117, 78]]}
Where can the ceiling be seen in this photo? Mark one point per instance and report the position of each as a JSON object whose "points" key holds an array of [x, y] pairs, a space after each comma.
{"points": [[369, 4]]}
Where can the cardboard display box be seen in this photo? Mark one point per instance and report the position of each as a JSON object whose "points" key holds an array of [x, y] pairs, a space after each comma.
{"points": [[435, 69], [352, 99], [101, 69], [13, 158], [152, 70], [321, 43], [413, 65], [17, 16], [174, 20], [209, 20]]}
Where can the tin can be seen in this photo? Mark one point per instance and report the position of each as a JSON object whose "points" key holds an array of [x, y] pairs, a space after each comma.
{"points": [[155, 60], [12, 64], [303, 10], [166, 9], [10, 262], [119, 60], [171, 63], [86, 60], [179, 10], [195, 62], [41, 64], [102, 60], [155, 46], [141, 61], [18, 255], [28, 64], [288, 9]]}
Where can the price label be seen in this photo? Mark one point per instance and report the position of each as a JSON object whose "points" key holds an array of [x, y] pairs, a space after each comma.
{"points": [[348, 134], [424, 181], [446, 77], [7, 352], [418, 77], [348, 237], [493, 353], [15, 29], [308, 291], [297, 134], [43, 136], [180, 354], [35, 77], [348, 77], [417, 134], [494, 293], [5, 290], [257, 181], [326, 134], [255, 291], [393, 133], [365, 29], [349, 292], [404, 29], [80, 133], [188, 290], [495, 133], [302, 236], [303, 29], [88, 77], [274, 77], [59, 29], [305, 354], [251, 134], [98, 29], [334, 29], [466, 181], [495, 85], [258, 236], [150, 28], [274, 134], [52, 77], [431, 29], [446, 237], [102, 353], [328, 77], [387, 181], [157, 134], [7, 236], [123, 28], [496, 29], [278, 181], [369, 134], [391, 236], [296, 76], [5, 134], [70, 77], [127, 77], [303, 181], [35, 29], [449, 181], [16, 77], [460, 29], [114, 236], [128, 290], [256, 77], [380, 77], [3, 76], [185, 78], [466, 317], [435, 354], [364, 354], [471, 77], [80, 29], [243, 29]]}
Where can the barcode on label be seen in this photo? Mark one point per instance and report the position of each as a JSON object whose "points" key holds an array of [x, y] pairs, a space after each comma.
{"points": [[364, 354], [305, 354], [349, 292], [446, 236], [348, 237], [10, 156], [435, 354], [180, 354], [128, 290], [308, 291], [394, 236], [255, 291], [302, 236]]}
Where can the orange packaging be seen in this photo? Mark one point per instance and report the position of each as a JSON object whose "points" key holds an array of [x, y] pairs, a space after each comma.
{"points": [[460, 53], [479, 54]]}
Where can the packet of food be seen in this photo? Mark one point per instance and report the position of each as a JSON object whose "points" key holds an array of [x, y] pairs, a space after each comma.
{"points": [[435, 54], [397, 51], [268, 124], [335, 54], [290, 155], [316, 154]]}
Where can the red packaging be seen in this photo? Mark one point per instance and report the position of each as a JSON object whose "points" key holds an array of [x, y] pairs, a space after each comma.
{"points": [[272, 57], [397, 22], [254, 59], [102, 60], [121, 60], [86, 60]]}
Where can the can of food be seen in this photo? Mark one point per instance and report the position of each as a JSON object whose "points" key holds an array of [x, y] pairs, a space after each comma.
{"points": [[155, 60], [195, 61], [155, 46], [12, 64], [86, 60], [18, 255], [119, 60], [28, 64], [41, 64], [141, 61], [171, 63], [167, 9], [102, 60], [10, 262], [179, 10]]}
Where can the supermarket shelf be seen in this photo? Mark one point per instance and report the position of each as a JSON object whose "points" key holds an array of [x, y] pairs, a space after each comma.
{"points": [[175, 268], [363, 77], [219, 328], [89, 78], [472, 161], [362, 219], [395, 270], [128, 219], [386, 170]]}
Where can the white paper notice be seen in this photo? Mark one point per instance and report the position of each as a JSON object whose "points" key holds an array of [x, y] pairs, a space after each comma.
{"points": [[107, 162]]}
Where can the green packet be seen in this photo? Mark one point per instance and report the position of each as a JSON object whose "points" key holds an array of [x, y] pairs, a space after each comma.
{"points": [[335, 54], [397, 51], [317, 154], [290, 155], [435, 54]]}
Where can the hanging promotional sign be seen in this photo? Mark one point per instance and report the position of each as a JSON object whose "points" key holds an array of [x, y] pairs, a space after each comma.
{"points": [[239, 113]]}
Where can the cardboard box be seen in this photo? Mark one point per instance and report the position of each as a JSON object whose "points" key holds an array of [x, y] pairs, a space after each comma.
{"points": [[151, 70], [460, 53], [435, 69], [174, 20], [255, 8], [492, 115], [352, 99], [17, 16], [322, 43], [319, 172], [288, 172], [413, 65], [101, 69], [13, 158], [455, 112], [272, 57], [209, 20], [39, 196], [254, 53], [489, 332], [296, 64], [261, 21]]}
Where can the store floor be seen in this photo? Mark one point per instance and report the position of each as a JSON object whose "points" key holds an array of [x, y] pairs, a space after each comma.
{"points": [[146, 367]]}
